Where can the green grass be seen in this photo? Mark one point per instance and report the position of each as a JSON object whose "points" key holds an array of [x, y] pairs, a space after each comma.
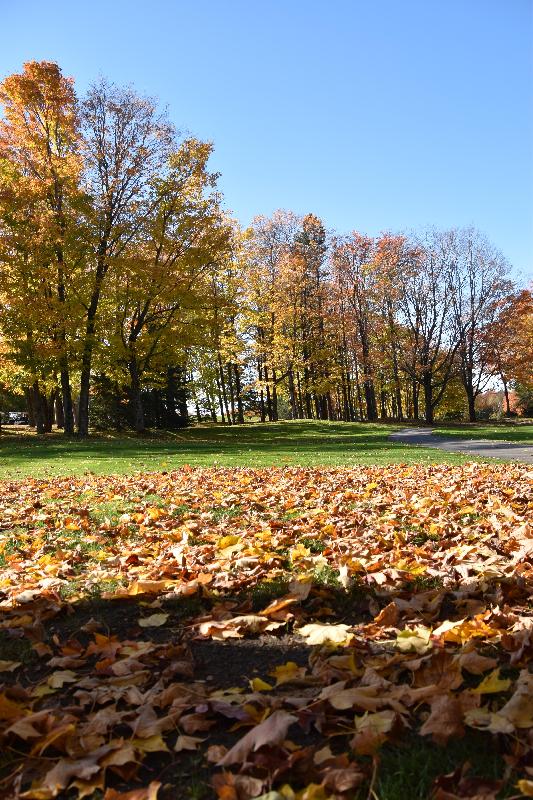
{"points": [[505, 432], [408, 771], [305, 443]]}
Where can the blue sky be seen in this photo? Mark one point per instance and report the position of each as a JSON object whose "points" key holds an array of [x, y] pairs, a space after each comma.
{"points": [[373, 114]]}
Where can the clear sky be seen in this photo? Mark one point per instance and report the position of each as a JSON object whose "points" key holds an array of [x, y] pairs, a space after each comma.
{"points": [[373, 114]]}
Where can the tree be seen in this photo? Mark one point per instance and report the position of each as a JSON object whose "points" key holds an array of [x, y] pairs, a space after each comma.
{"points": [[426, 313], [477, 280], [508, 341], [40, 167], [127, 147], [352, 257], [161, 284]]}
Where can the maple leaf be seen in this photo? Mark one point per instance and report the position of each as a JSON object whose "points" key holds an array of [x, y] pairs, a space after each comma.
{"points": [[272, 731], [315, 633], [492, 683], [416, 639], [445, 719]]}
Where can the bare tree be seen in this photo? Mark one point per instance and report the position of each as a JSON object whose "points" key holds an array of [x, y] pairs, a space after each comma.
{"points": [[477, 280], [426, 312]]}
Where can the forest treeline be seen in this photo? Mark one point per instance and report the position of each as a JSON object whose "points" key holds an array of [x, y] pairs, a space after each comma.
{"points": [[129, 296]]}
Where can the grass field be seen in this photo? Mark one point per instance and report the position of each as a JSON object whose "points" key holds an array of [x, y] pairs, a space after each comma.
{"points": [[304, 443], [223, 547], [510, 432]]}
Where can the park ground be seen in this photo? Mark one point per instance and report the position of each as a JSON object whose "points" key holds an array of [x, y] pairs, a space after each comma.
{"points": [[298, 611], [303, 443]]}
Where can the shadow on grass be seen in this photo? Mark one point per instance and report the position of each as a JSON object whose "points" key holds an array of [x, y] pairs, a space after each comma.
{"points": [[254, 445]]}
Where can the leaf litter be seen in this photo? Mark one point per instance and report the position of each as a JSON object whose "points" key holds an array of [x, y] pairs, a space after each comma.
{"points": [[281, 626]]}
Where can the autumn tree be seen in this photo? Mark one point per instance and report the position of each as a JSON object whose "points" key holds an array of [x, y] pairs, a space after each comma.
{"points": [[40, 165], [508, 341], [268, 250], [127, 144], [351, 262], [159, 291]]}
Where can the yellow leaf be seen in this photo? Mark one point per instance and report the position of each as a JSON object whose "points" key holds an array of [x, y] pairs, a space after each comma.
{"points": [[287, 672], [227, 541], [152, 744], [492, 683], [259, 685], [299, 552], [149, 587]]}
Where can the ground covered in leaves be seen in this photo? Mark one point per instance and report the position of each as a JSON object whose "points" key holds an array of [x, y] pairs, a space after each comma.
{"points": [[291, 634]]}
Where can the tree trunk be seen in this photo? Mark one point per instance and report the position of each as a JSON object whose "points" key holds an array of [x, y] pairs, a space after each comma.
{"points": [[49, 404], [231, 392], [223, 386], [38, 408], [240, 409], [292, 394], [220, 400], [274, 397], [136, 404], [506, 394], [428, 398], [66, 401], [59, 412], [370, 399], [416, 411], [88, 344], [85, 382], [471, 407], [181, 397], [262, 413], [30, 406]]}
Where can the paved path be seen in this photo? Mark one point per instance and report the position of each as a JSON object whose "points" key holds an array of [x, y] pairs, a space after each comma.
{"points": [[424, 437]]}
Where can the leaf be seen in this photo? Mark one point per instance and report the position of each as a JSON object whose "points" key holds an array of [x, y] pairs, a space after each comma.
{"points": [[259, 685], [288, 673], [414, 640], [187, 743], [272, 731], [57, 679], [9, 709], [149, 587], [150, 744], [228, 541], [445, 720], [316, 634], [9, 666], [148, 793], [154, 621], [363, 697], [493, 683]]}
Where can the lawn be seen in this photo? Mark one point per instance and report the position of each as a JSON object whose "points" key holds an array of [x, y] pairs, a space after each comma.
{"points": [[505, 432], [304, 443], [290, 633]]}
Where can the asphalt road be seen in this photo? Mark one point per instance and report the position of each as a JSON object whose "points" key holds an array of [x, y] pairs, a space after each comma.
{"points": [[424, 437]]}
